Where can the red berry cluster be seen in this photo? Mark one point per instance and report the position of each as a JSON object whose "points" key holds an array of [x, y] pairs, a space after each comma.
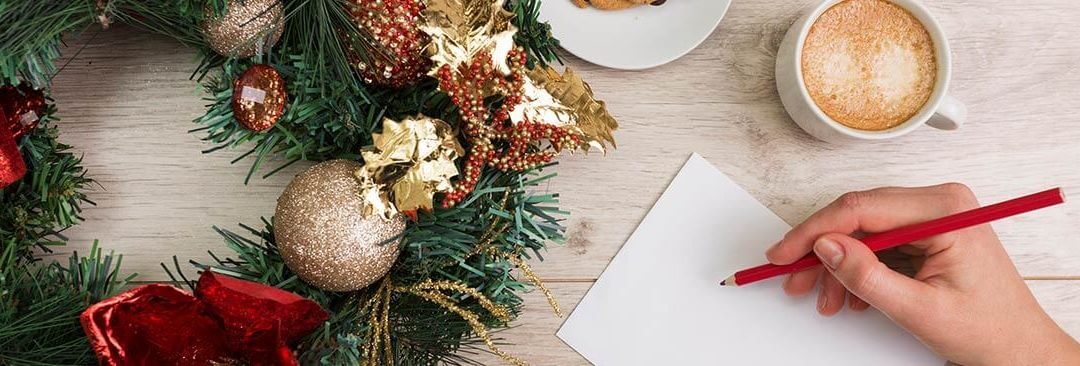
{"points": [[394, 24], [467, 88]]}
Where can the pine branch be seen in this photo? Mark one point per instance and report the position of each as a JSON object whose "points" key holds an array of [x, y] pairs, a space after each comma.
{"points": [[533, 35], [40, 305], [48, 199], [324, 30], [177, 19], [314, 127], [30, 37]]}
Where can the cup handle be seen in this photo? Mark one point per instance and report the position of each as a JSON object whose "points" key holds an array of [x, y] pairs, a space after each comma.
{"points": [[950, 115]]}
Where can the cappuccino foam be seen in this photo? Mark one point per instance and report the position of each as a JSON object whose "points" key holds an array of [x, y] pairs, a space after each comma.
{"points": [[868, 64]]}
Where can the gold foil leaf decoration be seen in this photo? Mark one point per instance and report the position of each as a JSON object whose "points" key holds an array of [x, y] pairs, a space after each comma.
{"points": [[409, 162], [566, 101], [461, 29]]}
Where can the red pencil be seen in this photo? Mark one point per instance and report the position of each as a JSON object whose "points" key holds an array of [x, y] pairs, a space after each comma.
{"points": [[910, 233]]}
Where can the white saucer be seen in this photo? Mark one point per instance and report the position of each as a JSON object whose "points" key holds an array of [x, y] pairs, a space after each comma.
{"points": [[636, 38]]}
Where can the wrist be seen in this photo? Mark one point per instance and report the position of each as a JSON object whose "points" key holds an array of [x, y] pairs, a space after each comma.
{"points": [[1067, 351], [1046, 344]]}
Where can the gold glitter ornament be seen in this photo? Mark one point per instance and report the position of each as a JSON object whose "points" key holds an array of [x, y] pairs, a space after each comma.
{"points": [[323, 234], [247, 28]]}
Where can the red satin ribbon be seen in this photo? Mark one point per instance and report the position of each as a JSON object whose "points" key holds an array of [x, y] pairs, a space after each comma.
{"points": [[226, 319], [21, 109], [12, 166]]}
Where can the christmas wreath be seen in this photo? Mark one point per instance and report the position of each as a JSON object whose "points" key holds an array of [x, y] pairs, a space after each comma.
{"points": [[432, 121]]}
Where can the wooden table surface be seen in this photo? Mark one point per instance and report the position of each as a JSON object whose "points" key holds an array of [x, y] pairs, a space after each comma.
{"points": [[126, 103]]}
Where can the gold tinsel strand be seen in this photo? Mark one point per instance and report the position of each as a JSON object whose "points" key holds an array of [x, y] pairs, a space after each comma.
{"points": [[378, 337], [372, 339], [526, 269], [472, 318], [379, 334], [499, 311], [484, 245], [387, 349]]}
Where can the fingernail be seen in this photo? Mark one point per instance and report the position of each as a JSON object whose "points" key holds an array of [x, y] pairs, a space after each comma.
{"points": [[830, 252], [822, 300]]}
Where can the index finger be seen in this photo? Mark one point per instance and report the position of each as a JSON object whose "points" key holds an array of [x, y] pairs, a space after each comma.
{"points": [[872, 211]]}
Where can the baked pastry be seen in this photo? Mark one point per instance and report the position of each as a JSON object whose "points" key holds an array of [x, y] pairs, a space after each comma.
{"points": [[616, 4]]}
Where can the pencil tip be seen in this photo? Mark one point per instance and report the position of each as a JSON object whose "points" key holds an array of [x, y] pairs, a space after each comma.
{"points": [[730, 281]]}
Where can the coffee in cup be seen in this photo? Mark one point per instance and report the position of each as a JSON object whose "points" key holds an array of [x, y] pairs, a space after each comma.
{"points": [[875, 70], [868, 64]]}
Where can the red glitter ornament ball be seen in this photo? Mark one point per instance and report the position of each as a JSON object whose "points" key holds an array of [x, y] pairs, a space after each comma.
{"points": [[394, 24], [22, 108], [259, 98]]}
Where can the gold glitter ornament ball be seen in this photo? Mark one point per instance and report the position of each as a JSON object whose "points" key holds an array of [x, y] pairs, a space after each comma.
{"points": [[246, 28], [323, 235]]}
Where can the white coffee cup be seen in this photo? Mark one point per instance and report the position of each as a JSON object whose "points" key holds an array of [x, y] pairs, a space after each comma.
{"points": [[940, 111]]}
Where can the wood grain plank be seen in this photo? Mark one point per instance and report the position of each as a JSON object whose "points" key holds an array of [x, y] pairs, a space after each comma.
{"points": [[126, 104]]}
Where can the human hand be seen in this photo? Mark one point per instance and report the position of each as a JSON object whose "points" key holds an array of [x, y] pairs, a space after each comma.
{"points": [[967, 302]]}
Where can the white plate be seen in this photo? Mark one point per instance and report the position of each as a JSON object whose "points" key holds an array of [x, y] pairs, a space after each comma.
{"points": [[633, 39]]}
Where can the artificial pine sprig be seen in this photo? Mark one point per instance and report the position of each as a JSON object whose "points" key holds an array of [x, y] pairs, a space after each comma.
{"points": [[49, 198], [314, 127], [30, 37], [322, 30], [534, 35], [40, 305]]}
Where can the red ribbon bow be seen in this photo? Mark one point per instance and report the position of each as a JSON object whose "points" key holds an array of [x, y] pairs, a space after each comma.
{"points": [[20, 111], [226, 319], [12, 166]]}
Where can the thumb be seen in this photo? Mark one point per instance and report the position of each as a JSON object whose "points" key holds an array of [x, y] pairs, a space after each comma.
{"points": [[860, 271]]}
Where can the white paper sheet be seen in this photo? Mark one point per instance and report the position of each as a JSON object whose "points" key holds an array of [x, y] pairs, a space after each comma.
{"points": [[659, 301]]}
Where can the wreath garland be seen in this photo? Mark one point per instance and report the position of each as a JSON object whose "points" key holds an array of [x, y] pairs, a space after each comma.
{"points": [[440, 114]]}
